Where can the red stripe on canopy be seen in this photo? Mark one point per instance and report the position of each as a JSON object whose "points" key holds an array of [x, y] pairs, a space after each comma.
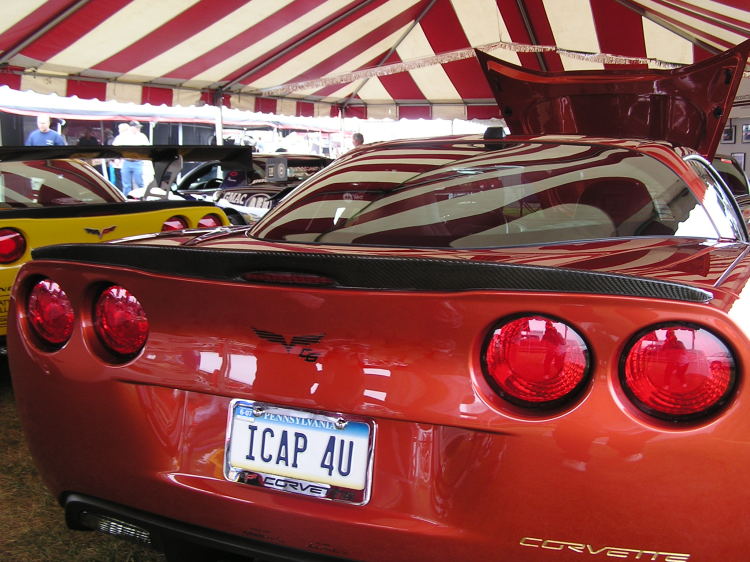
{"points": [[629, 41], [445, 34], [156, 96], [339, 58], [73, 28], [543, 32], [482, 112], [516, 25], [233, 45], [265, 105], [8, 77], [401, 85], [180, 28], [91, 90], [305, 109], [415, 112]]}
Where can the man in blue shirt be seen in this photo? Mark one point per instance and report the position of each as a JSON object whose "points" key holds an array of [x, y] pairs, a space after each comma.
{"points": [[44, 136]]}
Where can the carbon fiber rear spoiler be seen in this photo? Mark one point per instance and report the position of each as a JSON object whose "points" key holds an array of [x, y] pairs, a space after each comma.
{"points": [[369, 272]]}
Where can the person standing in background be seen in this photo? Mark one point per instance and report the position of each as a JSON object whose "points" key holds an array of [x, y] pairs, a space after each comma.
{"points": [[43, 135], [116, 164], [132, 169], [88, 139]]}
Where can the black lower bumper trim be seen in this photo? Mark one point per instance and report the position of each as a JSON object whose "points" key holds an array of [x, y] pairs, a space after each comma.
{"points": [[171, 536]]}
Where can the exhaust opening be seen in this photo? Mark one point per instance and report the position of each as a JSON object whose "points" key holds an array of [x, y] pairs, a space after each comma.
{"points": [[116, 527]]}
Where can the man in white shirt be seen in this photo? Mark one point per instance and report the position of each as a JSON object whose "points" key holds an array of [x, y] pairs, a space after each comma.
{"points": [[132, 170]]}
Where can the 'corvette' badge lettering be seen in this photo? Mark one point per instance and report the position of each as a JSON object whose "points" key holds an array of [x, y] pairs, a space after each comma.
{"points": [[100, 233], [610, 551], [302, 341]]}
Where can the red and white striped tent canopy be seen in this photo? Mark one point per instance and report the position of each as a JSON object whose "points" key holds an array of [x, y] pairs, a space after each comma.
{"points": [[364, 58]]}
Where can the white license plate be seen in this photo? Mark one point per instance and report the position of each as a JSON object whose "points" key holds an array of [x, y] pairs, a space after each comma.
{"points": [[322, 455]]}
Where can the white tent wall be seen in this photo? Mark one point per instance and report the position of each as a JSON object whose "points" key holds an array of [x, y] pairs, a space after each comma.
{"points": [[227, 120]]}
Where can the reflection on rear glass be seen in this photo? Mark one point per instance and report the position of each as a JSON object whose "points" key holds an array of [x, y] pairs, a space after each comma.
{"points": [[53, 183], [465, 196]]}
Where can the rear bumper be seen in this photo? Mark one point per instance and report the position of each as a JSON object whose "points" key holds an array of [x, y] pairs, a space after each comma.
{"points": [[87, 513], [439, 493]]}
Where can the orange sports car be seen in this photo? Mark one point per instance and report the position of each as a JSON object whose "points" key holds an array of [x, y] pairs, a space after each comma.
{"points": [[523, 347]]}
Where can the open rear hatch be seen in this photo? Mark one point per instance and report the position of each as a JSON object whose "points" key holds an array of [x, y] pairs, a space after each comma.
{"points": [[687, 106]]}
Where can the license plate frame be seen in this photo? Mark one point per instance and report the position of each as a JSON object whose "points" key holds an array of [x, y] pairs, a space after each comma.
{"points": [[267, 443]]}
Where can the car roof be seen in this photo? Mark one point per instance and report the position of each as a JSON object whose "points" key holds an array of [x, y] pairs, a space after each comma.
{"points": [[489, 140]]}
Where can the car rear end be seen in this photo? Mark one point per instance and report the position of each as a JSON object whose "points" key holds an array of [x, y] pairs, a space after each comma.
{"points": [[521, 349], [67, 201], [443, 418]]}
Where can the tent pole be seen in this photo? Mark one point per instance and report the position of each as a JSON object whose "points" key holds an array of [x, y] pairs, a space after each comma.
{"points": [[219, 104], [219, 126]]}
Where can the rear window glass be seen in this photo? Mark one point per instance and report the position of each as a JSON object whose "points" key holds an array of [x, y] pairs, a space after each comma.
{"points": [[53, 183], [457, 195]]}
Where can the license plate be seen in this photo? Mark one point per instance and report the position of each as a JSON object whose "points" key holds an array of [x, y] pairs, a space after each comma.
{"points": [[323, 455]]}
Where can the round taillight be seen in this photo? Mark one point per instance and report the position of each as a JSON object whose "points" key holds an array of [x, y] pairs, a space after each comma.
{"points": [[678, 372], [174, 223], [12, 245], [50, 312], [210, 221], [536, 361], [120, 322]]}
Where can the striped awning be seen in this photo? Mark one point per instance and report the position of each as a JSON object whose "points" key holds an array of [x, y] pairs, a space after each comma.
{"points": [[363, 58]]}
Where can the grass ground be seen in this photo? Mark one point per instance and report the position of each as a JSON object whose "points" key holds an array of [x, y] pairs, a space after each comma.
{"points": [[32, 526]]}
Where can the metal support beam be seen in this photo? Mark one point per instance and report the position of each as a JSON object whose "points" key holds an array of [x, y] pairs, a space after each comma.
{"points": [[532, 36]]}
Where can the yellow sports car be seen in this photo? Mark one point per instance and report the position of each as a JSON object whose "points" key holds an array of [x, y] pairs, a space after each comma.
{"points": [[65, 200]]}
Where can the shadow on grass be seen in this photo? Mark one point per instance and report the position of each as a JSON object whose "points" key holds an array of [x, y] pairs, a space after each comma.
{"points": [[32, 523]]}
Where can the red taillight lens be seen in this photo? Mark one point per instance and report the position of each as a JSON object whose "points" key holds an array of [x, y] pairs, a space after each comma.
{"points": [[50, 312], [210, 221], [678, 372], [12, 245], [120, 322], [174, 223], [536, 361]]}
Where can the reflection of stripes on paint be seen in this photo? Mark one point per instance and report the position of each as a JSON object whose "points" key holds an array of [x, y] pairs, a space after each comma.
{"points": [[660, 258], [54, 182]]}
